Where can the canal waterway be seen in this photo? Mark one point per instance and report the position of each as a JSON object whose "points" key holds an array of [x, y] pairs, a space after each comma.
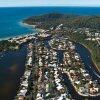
{"points": [[89, 66], [12, 66], [87, 60]]}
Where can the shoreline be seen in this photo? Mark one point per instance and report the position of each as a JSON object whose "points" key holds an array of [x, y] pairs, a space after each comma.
{"points": [[41, 30], [79, 93], [84, 95], [34, 26], [73, 84], [22, 35], [90, 55]]}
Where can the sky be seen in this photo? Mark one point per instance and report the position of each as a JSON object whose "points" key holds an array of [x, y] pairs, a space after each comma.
{"points": [[12, 3]]}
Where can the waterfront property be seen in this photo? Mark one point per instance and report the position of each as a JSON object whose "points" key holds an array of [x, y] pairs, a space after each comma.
{"points": [[22, 39], [47, 83], [46, 64], [74, 68], [24, 84], [43, 77]]}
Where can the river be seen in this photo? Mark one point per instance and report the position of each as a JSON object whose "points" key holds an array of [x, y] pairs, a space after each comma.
{"points": [[12, 65], [87, 60]]}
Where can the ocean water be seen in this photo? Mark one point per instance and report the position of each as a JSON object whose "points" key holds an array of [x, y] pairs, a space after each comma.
{"points": [[10, 18], [12, 63]]}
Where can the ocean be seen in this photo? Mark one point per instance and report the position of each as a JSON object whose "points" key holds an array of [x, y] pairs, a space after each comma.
{"points": [[11, 17], [12, 63]]}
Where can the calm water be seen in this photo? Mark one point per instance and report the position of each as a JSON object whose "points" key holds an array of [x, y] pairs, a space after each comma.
{"points": [[10, 18], [12, 64], [89, 66]]}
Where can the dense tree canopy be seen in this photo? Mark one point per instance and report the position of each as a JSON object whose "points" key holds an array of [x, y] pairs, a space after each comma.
{"points": [[6, 45], [72, 21]]}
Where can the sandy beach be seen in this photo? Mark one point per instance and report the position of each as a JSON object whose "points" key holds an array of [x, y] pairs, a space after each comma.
{"points": [[34, 26]]}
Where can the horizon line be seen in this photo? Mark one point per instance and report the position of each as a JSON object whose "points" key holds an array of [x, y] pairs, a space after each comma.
{"points": [[46, 6]]}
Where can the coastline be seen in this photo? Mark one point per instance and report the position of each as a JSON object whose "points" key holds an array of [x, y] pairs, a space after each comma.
{"points": [[34, 26], [22, 35], [42, 30], [37, 30]]}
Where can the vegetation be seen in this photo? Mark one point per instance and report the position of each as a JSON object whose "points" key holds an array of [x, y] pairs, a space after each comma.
{"points": [[6, 45], [91, 45], [71, 21]]}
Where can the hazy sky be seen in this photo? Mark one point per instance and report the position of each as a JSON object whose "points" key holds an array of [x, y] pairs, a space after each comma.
{"points": [[49, 3]]}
